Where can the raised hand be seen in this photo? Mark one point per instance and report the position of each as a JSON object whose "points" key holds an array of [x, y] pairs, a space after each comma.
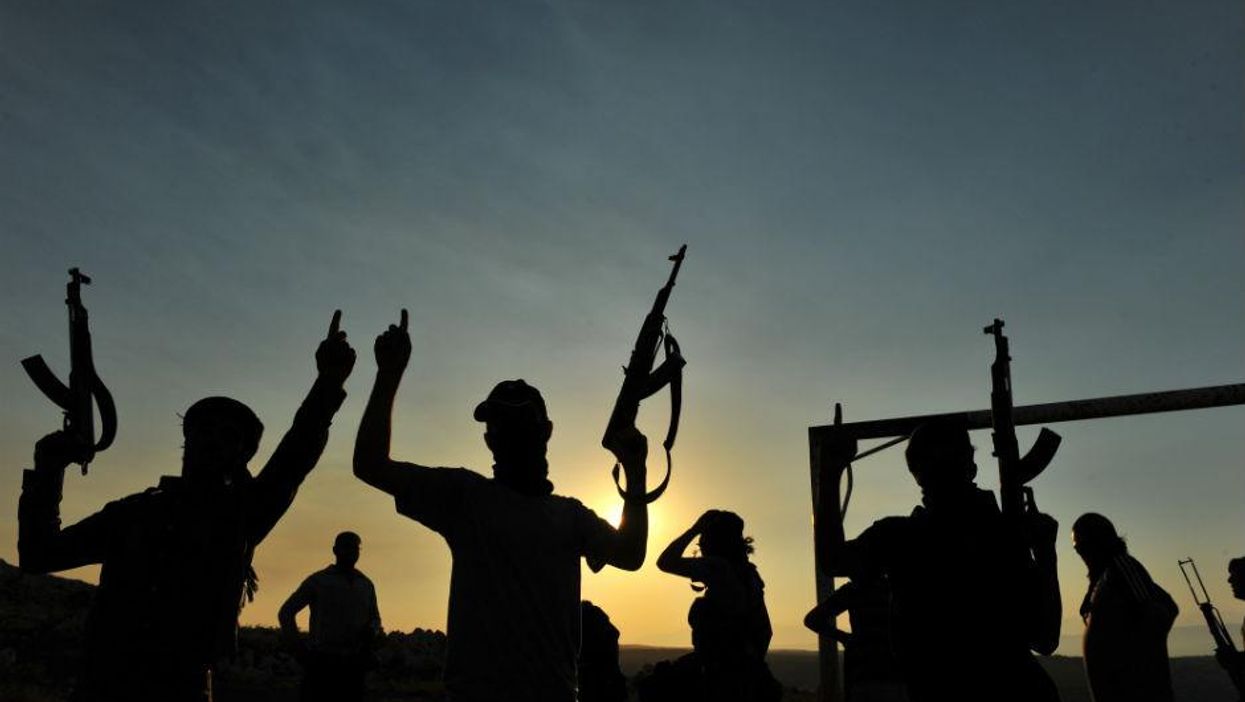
{"points": [[630, 447], [393, 348], [705, 519], [59, 449], [334, 357]]}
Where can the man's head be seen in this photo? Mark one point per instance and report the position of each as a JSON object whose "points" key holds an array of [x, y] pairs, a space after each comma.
{"points": [[221, 435], [1236, 577], [1095, 540], [517, 428], [346, 548], [940, 456]]}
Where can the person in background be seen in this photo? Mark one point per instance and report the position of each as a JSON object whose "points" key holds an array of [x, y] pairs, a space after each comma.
{"points": [[730, 624], [1127, 618], [344, 626]]}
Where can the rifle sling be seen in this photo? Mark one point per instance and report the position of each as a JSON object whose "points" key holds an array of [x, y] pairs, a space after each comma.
{"points": [[669, 372], [107, 414]]}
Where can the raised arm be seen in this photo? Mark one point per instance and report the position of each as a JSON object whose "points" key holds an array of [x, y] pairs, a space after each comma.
{"points": [[42, 546], [674, 562], [630, 545], [372, 463], [301, 447]]}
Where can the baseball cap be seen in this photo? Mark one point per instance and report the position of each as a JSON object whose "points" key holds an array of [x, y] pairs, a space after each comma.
{"points": [[511, 400]]}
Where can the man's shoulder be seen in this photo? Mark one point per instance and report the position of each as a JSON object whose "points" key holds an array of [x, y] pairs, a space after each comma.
{"points": [[433, 477], [148, 499], [571, 505], [893, 524]]}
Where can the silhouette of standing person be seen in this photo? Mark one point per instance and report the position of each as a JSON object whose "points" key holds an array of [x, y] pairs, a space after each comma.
{"points": [[600, 676], [344, 625], [730, 625], [1127, 618], [177, 557], [1234, 662], [870, 671], [972, 593], [513, 626]]}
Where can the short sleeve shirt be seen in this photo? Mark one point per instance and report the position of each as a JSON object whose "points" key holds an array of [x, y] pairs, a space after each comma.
{"points": [[343, 610], [513, 624]]}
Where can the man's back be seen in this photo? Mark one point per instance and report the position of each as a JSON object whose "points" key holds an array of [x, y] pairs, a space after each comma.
{"points": [[958, 602], [514, 610], [344, 615], [1127, 617]]}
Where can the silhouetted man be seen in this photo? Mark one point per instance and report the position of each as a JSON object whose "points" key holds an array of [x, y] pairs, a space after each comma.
{"points": [[514, 619], [343, 628], [600, 677], [1234, 663], [870, 671], [177, 558], [1127, 617], [972, 594]]}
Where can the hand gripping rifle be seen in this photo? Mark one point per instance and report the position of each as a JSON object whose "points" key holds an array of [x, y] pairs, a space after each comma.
{"points": [[640, 380], [85, 389], [1224, 648], [1014, 472]]}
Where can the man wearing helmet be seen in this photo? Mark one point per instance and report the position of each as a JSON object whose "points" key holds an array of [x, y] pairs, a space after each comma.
{"points": [[177, 558], [514, 612]]}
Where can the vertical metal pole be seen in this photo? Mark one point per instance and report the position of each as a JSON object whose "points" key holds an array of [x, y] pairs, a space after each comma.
{"points": [[830, 689]]}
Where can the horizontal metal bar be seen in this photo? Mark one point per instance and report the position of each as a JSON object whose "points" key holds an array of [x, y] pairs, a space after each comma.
{"points": [[1049, 413]]}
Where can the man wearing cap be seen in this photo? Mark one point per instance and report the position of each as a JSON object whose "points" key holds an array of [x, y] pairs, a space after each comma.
{"points": [[514, 610], [344, 625], [177, 558], [970, 598]]}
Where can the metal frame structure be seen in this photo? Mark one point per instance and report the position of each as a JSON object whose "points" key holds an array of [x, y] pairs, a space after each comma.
{"points": [[897, 429]]}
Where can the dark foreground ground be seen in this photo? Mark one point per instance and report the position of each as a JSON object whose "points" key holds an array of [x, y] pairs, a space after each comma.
{"points": [[41, 624]]}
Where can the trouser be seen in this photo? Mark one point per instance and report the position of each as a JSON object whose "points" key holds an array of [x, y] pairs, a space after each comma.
{"points": [[329, 677], [127, 682]]}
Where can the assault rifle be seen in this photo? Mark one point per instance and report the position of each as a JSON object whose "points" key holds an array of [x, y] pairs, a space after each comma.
{"points": [[640, 381], [1014, 472], [85, 390], [1224, 648]]}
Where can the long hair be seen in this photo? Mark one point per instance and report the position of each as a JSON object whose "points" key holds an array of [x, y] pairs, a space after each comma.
{"points": [[723, 537]]}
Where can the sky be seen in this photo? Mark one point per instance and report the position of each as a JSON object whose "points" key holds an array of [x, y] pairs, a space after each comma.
{"points": [[862, 187]]}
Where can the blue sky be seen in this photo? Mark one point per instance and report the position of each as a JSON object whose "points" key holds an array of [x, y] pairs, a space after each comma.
{"points": [[862, 186]]}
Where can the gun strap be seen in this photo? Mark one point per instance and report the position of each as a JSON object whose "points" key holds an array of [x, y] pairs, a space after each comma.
{"points": [[657, 491], [107, 414], [673, 364]]}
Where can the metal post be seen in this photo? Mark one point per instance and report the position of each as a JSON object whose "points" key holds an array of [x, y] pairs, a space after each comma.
{"points": [[830, 689]]}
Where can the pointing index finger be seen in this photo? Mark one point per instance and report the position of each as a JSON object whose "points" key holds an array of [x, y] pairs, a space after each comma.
{"points": [[402, 323], [335, 325]]}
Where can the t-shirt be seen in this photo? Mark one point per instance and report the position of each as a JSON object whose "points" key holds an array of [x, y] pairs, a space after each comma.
{"points": [[344, 616], [513, 625]]}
